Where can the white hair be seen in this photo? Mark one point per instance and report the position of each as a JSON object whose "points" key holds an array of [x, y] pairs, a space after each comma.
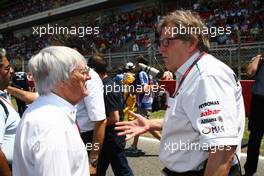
{"points": [[53, 65]]}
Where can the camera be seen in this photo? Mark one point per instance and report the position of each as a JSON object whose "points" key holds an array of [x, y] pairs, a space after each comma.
{"points": [[149, 70]]}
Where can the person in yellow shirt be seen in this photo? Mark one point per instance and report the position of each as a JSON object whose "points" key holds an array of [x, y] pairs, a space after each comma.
{"points": [[129, 98]]}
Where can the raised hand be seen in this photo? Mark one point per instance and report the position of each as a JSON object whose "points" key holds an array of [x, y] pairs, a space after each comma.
{"points": [[136, 127]]}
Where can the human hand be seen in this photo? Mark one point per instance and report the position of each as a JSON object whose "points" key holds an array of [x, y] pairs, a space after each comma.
{"points": [[132, 128], [92, 170]]}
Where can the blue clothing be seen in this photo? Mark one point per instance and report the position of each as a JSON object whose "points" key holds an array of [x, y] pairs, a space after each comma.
{"points": [[8, 126], [118, 78], [258, 87], [112, 151], [144, 100]]}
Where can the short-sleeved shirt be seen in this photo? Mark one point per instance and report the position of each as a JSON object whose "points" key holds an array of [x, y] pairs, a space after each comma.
{"points": [[48, 141], [92, 108], [8, 126], [112, 98], [207, 111], [258, 87], [144, 100]]}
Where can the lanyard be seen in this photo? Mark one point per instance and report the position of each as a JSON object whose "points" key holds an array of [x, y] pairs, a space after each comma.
{"points": [[187, 72]]}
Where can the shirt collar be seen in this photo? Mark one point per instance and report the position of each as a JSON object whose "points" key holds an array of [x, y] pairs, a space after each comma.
{"points": [[64, 105], [179, 73], [3, 94]]}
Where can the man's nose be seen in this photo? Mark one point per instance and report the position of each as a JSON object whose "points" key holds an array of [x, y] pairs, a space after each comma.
{"points": [[11, 70], [88, 77], [162, 49]]}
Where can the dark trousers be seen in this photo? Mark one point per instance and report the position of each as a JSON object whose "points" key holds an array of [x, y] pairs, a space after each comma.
{"points": [[113, 153], [87, 138], [255, 126]]}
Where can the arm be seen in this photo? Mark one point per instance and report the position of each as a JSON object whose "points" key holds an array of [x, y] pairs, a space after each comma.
{"points": [[4, 168], [98, 138], [138, 126], [219, 161], [23, 95], [112, 118], [253, 66]]}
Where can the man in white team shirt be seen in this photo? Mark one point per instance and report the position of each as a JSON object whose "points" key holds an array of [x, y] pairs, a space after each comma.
{"points": [[48, 141], [204, 122], [92, 119]]}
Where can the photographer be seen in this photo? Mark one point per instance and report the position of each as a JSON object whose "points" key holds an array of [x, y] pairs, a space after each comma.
{"points": [[19, 80], [144, 100]]}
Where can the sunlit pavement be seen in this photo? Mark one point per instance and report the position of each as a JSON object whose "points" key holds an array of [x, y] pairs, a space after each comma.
{"points": [[149, 164]]}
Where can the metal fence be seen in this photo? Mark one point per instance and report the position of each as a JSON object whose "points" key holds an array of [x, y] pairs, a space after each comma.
{"points": [[236, 56]]}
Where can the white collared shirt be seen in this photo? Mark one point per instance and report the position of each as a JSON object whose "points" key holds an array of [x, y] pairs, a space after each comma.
{"points": [[208, 111], [92, 108], [48, 142]]}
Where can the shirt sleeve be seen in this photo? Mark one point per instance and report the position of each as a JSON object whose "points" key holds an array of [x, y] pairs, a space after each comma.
{"points": [[212, 111], [111, 102], [94, 102], [2, 125], [143, 77]]}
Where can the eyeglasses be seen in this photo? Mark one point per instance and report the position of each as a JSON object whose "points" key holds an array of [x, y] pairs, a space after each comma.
{"points": [[84, 71], [165, 42]]}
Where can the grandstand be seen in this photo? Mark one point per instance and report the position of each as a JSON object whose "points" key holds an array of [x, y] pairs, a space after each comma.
{"points": [[115, 26]]}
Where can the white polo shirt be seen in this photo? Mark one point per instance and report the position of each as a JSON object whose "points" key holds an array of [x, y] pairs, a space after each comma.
{"points": [[92, 108], [48, 142], [8, 126], [208, 111]]}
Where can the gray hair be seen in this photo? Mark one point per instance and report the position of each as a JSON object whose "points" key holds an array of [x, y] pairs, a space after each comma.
{"points": [[53, 65], [187, 19]]}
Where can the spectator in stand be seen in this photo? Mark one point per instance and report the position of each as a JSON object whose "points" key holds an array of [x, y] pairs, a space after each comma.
{"points": [[135, 47]]}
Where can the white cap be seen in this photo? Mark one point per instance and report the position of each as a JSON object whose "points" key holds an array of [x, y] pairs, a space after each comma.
{"points": [[129, 65]]}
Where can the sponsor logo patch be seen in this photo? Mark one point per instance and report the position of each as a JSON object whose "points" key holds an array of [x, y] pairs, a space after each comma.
{"points": [[210, 112], [203, 121], [213, 130], [209, 103]]}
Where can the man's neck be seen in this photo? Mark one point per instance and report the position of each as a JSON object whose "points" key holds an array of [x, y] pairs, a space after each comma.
{"points": [[103, 76], [186, 58]]}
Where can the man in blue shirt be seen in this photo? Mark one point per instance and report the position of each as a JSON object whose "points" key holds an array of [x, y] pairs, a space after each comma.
{"points": [[9, 119], [256, 120]]}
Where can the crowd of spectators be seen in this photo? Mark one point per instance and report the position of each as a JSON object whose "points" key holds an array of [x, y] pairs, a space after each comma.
{"points": [[120, 31], [245, 17], [28, 7], [115, 31]]}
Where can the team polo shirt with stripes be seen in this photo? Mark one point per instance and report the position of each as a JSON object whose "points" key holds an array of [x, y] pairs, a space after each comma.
{"points": [[207, 111]]}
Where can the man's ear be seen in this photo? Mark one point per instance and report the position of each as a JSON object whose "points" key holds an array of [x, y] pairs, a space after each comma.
{"points": [[193, 45]]}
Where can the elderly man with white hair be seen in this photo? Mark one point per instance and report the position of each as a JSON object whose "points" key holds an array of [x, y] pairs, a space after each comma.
{"points": [[48, 140]]}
